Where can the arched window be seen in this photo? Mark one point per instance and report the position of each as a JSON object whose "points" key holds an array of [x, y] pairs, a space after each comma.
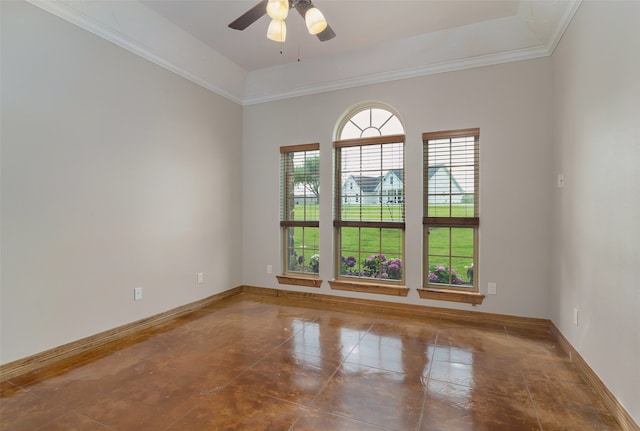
{"points": [[368, 122], [369, 208]]}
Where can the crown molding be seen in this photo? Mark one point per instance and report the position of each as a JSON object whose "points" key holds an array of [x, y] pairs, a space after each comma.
{"points": [[396, 75], [569, 12], [221, 76]]}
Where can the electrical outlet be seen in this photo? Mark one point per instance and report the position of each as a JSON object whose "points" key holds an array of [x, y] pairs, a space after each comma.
{"points": [[137, 293], [575, 316], [200, 277], [560, 181], [492, 289], [269, 269]]}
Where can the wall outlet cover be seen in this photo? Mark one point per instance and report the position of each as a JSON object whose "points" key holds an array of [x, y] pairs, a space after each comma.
{"points": [[492, 289]]}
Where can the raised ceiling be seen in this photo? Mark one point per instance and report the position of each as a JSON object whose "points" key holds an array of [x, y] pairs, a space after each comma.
{"points": [[376, 40]]}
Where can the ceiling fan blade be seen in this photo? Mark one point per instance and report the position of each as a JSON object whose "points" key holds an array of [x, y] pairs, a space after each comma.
{"points": [[250, 16], [302, 7], [326, 34]]}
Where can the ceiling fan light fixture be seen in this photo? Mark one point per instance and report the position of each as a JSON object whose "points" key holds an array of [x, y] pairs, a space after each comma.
{"points": [[278, 9], [277, 31], [316, 23]]}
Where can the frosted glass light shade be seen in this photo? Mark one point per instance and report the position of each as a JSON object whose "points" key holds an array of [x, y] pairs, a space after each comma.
{"points": [[277, 31], [278, 9], [315, 21]]}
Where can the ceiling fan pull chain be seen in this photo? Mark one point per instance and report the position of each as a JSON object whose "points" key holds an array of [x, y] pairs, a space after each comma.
{"points": [[298, 41], [281, 41]]}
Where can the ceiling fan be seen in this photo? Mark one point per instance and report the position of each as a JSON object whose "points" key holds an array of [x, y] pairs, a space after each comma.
{"points": [[278, 11]]}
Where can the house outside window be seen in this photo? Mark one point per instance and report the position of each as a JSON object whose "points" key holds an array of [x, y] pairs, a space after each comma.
{"points": [[369, 219], [451, 210], [299, 214]]}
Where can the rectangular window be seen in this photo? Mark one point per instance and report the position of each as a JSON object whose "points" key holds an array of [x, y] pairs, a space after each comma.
{"points": [[299, 211], [369, 217], [451, 216]]}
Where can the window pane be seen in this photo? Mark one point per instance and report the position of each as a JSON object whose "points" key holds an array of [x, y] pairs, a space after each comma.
{"points": [[371, 122], [379, 117], [462, 242], [457, 274], [370, 132], [350, 131], [463, 270], [392, 157], [450, 256], [391, 240], [451, 177], [371, 253], [439, 152], [392, 127], [439, 243], [300, 186], [350, 240], [362, 119], [307, 209], [350, 247], [370, 241], [303, 246], [372, 181], [462, 254], [392, 265], [438, 272]]}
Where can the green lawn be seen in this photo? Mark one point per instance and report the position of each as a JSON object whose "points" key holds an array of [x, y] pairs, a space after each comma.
{"points": [[372, 241]]}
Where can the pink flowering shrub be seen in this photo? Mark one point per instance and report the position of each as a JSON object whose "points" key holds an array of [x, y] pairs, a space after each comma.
{"points": [[442, 275]]}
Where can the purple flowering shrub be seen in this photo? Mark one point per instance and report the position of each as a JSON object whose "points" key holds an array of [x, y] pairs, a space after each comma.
{"points": [[347, 266], [393, 268], [297, 263], [372, 266], [442, 275], [375, 266]]}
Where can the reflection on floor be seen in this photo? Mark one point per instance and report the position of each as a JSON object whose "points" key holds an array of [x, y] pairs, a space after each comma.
{"points": [[252, 363]]}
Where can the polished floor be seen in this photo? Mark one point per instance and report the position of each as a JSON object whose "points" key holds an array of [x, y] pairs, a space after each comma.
{"points": [[253, 363]]}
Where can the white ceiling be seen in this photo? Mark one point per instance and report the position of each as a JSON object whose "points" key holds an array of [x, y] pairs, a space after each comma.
{"points": [[357, 24], [376, 40]]}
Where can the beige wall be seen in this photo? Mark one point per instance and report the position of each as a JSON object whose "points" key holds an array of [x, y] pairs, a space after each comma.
{"points": [[595, 220], [115, 173], [511, 105]]}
